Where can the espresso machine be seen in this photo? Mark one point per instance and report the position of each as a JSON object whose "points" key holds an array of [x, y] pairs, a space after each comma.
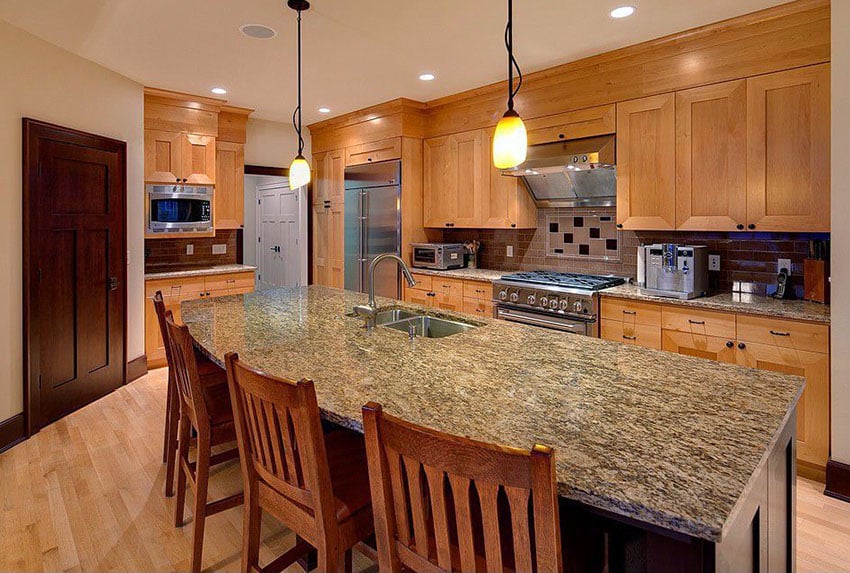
{"points": [[674, 271]]}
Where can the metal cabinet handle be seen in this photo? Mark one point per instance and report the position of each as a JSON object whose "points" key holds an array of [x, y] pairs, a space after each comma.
{"points": [[629, 312], [700, 322], [741, 346], [774, 333], [729, 344], [630, 337]]}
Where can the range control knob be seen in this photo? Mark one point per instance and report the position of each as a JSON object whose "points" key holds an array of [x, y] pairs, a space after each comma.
{"points": [[503, 295], [544, 301], [564, 305], [531, 299], [514, 297], [577, 306], [553, 304]]}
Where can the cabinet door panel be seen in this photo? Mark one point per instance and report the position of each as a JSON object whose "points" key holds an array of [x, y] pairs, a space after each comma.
{"points": [[788, 160], [577, 124], [319, 184], [784, 333], [373, 152], [335, 175], [630, 333], [711, 144], [646, 167], [813, 407], [336, 245], [698, 345], [416, 296], [198, 159], [321, 264], [439, 180], [229, 208], [505, 202], [472, 178], [163, 153]]}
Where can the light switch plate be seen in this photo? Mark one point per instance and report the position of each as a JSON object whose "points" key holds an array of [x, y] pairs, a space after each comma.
{"points": [[219, 249], [714, 262], [783, 264], [190, 249], [510, 251]]}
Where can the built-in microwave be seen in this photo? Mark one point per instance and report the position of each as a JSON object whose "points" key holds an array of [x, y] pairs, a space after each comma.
{"points": [[179, 209]]}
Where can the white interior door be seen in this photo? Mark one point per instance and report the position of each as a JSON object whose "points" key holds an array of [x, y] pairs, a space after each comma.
{"points": [[278, 247]]}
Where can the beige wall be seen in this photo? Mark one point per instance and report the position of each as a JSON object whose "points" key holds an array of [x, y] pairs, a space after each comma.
{"points": [[44, 82], [273, 144], [840, 232]]}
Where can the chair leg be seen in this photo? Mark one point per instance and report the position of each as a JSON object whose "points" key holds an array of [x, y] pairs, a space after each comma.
{"points": [[167, 433], [347, 558], [251, 520], [172, 424], [328, 559], [202, 478], [183, 454]]}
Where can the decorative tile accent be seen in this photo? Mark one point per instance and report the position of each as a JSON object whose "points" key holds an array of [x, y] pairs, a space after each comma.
{"points": [[581, 236]]}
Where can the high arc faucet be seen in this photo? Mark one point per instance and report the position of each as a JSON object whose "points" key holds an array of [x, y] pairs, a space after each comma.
{"points": [[369, 310]]}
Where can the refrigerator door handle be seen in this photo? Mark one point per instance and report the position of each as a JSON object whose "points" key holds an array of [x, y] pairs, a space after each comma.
{"points": [[364, 237]]}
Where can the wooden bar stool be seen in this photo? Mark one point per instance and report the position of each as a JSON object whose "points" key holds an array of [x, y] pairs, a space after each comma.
{"points": [[446, 503], [315, 484], [210, 374], [207, 410]]}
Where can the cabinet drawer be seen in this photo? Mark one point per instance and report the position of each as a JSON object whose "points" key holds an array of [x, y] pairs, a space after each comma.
{"points": [[373, 152], [418, 296], [453, 287], [230, 281], [645, 335], [784, 333], [577, 124], [477, 290], [180, 289], [698, 345], [631, 311], [448, 301], [478, 307], [704, 322], [423, 282]]}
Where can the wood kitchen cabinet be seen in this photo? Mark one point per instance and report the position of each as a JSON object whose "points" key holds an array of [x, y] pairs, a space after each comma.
{"points": [[328, 218], [788, 157], [711, 147], [646, 166], [170, 157], [457, 295], [229, 197], [329, 171], [321, 263], [373, 152], [336, 244]]}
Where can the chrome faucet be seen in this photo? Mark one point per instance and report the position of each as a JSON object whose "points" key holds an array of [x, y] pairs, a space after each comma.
{"points": [[369, 311]]}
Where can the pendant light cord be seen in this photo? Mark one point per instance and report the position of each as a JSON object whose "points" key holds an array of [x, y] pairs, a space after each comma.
{"points": [[297, 112], [512, 63]]}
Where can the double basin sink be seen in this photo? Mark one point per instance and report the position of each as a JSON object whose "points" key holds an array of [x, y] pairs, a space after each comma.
{"points": [[420, 324]]}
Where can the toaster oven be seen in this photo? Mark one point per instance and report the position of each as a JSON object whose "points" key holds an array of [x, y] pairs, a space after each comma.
{"points": [[439, 256]]}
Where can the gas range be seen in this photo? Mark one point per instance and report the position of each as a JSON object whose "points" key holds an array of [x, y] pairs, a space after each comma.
{"points": [[560, 301]]}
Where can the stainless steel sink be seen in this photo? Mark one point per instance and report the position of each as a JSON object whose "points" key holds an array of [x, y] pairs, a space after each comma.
{"points": [[430, 327], [393, 315]]}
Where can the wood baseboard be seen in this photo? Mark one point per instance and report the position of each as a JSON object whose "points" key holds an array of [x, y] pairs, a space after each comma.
{"points": [[136, 368], [811, 471], [838, 480], [12, 431]]}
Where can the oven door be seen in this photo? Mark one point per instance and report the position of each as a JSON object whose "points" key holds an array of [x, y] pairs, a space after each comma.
{"points": [[551, 321], [179, 212]]}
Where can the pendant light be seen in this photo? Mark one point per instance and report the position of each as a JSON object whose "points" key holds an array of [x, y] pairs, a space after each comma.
{"points": [[299, 170], [510, 142]]}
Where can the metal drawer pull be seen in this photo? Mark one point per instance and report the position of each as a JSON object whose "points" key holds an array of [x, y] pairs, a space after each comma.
{"points": [[696, 321], [629, 312], [630, 337], [774, 333]]}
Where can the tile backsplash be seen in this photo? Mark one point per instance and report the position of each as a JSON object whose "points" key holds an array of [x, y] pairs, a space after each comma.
{"points": [[750, 257], [170, 254]]}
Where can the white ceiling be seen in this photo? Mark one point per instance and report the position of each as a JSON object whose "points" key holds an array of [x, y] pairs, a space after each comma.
{"points": [[356, 52]]}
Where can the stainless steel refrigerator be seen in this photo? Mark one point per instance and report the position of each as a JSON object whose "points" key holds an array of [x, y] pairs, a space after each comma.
{"points": [[372, 225]]}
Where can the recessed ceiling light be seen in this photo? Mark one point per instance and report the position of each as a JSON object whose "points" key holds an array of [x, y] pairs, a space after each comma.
{"points": [[622, 12], [219, 91], [324, 110], [258, 31], [426, 77]]}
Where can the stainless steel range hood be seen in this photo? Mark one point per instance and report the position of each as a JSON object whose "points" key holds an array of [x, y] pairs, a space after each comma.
{"points": [[572, 173]]}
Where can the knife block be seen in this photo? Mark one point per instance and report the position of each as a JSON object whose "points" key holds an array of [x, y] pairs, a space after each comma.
{"points": [[815, 280]]}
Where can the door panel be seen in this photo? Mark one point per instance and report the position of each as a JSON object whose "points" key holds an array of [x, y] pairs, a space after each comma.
{"points": [[74, 253], [279, 254], [439, 181], [229, 208], [198, 159], [381, 234], [163, 156]]}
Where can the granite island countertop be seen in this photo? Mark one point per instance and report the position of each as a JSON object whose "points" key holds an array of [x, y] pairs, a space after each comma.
{"points": [[199, 272], [661, 438], [729, 302]]}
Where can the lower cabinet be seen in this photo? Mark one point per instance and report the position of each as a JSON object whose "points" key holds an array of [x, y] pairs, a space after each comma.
{"points": [[176, 291], [779, 345], [466, 296]]}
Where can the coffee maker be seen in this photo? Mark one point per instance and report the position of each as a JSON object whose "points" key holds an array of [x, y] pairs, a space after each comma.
{"points": [[674, 271]]}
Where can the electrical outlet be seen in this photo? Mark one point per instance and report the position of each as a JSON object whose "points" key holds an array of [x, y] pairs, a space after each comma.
{"points": [[714, 262], [219, 249], [783, 264], [510, 251], [190, 249]]}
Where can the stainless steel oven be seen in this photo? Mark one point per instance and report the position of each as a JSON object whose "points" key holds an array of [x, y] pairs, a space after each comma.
{"points": [[552, 321], [179, 209]]}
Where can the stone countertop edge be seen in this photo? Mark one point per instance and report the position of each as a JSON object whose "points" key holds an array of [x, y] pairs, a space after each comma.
{"points": [[200, 272], [484, 275], [724, 302]]}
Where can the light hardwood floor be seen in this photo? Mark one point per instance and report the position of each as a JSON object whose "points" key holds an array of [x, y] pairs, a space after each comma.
{"points": [[85, 494]]}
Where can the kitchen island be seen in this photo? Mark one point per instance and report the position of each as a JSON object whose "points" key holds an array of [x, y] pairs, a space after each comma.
{"points": [[664, 462]]}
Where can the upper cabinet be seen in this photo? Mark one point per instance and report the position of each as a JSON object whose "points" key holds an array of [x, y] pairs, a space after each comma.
{"points": [[229, 211], [179, 157], [329, 169], [198, 159], [646, 166], [711, 144], [373, 152], [750, 154], [788, 150], [463, 190]]}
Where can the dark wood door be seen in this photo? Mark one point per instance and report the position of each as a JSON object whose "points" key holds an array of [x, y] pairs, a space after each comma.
{"points": [[74, 269]]}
